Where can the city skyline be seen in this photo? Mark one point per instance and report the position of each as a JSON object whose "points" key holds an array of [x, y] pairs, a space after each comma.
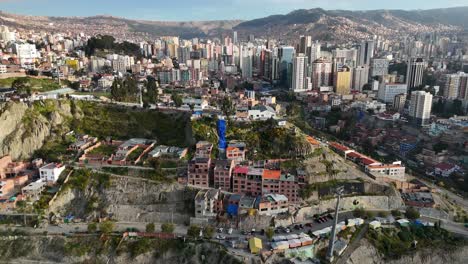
{"points": [[184, 10]]}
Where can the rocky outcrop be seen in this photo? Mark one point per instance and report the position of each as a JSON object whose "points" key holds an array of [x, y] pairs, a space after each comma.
{"points": [[366, 253], [24, 128]]}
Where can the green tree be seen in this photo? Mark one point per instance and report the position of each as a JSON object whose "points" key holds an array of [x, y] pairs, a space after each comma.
{"points": [[168, 228], [151, 90], [117, 90], [396, 213], [269, 232], [412, 213], [359, 212], [92, 227], [150, 228], [193, 231], [22, 86], [227, 107], [177, 99], [106, 226], [208, 232]]}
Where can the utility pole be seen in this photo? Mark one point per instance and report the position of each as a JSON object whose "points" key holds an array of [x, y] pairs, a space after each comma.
{"points": [[338, 191]]}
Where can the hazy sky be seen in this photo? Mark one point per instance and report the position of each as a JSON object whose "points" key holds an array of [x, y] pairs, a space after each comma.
{"points": [[204, 9]]}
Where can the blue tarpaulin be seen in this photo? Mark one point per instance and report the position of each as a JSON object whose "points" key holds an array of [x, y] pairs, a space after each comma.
{"points": [[232, 209]]}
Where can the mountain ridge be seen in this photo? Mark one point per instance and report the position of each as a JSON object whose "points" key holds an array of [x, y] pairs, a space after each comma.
{"points": [[318, 22]]}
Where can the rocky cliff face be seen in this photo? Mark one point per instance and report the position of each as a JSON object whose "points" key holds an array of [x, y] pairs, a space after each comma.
{"points": [[366, 253], [24, 128]]}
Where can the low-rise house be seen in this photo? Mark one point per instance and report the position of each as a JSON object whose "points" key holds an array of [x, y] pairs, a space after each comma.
{"points": [[246, 204], [261, 112], [6, 187], [387, 172], [236, 151], [33, 190], [445, 169], [199, 170], [206, 203], [173, 152], [272, 204], [83, 142], [8, 168], [418, 199], [203, 149], [222, 174], [51, 172]]}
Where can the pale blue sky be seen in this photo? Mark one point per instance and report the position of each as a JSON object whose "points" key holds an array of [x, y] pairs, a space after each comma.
{"points": [[183, 10]]}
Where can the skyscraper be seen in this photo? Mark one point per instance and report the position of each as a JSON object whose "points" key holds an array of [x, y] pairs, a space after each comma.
{"points": [[321, 73], [234, 37], [343, 81], [286, 55], [366, 52], [299, 73], [414, 75], [360, 77], [379, 67], [305, 44], [455, 86], [420, 107]]}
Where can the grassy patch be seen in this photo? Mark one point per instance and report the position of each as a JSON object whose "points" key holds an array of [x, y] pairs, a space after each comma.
{"points": [[105, 150], [37, 84], [122, 123], [393, 243]]}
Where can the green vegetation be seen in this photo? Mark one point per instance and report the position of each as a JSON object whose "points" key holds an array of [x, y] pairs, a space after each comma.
{"points": [[27, 85], [168, 228], [84, 178], [122, 123], [150, 228], [107, 43], [125, 90], [396, 213], [106, 227], [133, 156], [412, 213], [154, 175], [269, 232], [265, 139], [208, 232], [105, 150], [193, 231], [394, 243], [92, 227]]}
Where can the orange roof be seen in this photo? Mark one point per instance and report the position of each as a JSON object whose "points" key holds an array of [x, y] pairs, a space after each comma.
{"points": [[232, 148], [312, 140], [271, 174]]}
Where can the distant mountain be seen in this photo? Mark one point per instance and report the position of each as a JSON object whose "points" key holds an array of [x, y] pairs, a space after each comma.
{"points": [[321, 24], [119, 27], [332, 24]]}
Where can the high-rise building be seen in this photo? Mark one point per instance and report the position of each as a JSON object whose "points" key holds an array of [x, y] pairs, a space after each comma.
{"points": [[313, 52], [388, 91], [399, 102], [366, 52], [305, 44], [420, 107], [246, 67], [286, 55], [299, 73], [343, 81], [321, 73], [456, 86], [414, 75], [379, 67], [360, 77], [234, 37]]}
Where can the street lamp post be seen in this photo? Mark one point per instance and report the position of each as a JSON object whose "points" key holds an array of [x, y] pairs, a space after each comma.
{"points": [[339, 191]]}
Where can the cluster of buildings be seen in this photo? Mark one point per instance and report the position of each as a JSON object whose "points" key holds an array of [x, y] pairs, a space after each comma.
{"points": [[394, 172], [25, 181], [230, 176]]}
